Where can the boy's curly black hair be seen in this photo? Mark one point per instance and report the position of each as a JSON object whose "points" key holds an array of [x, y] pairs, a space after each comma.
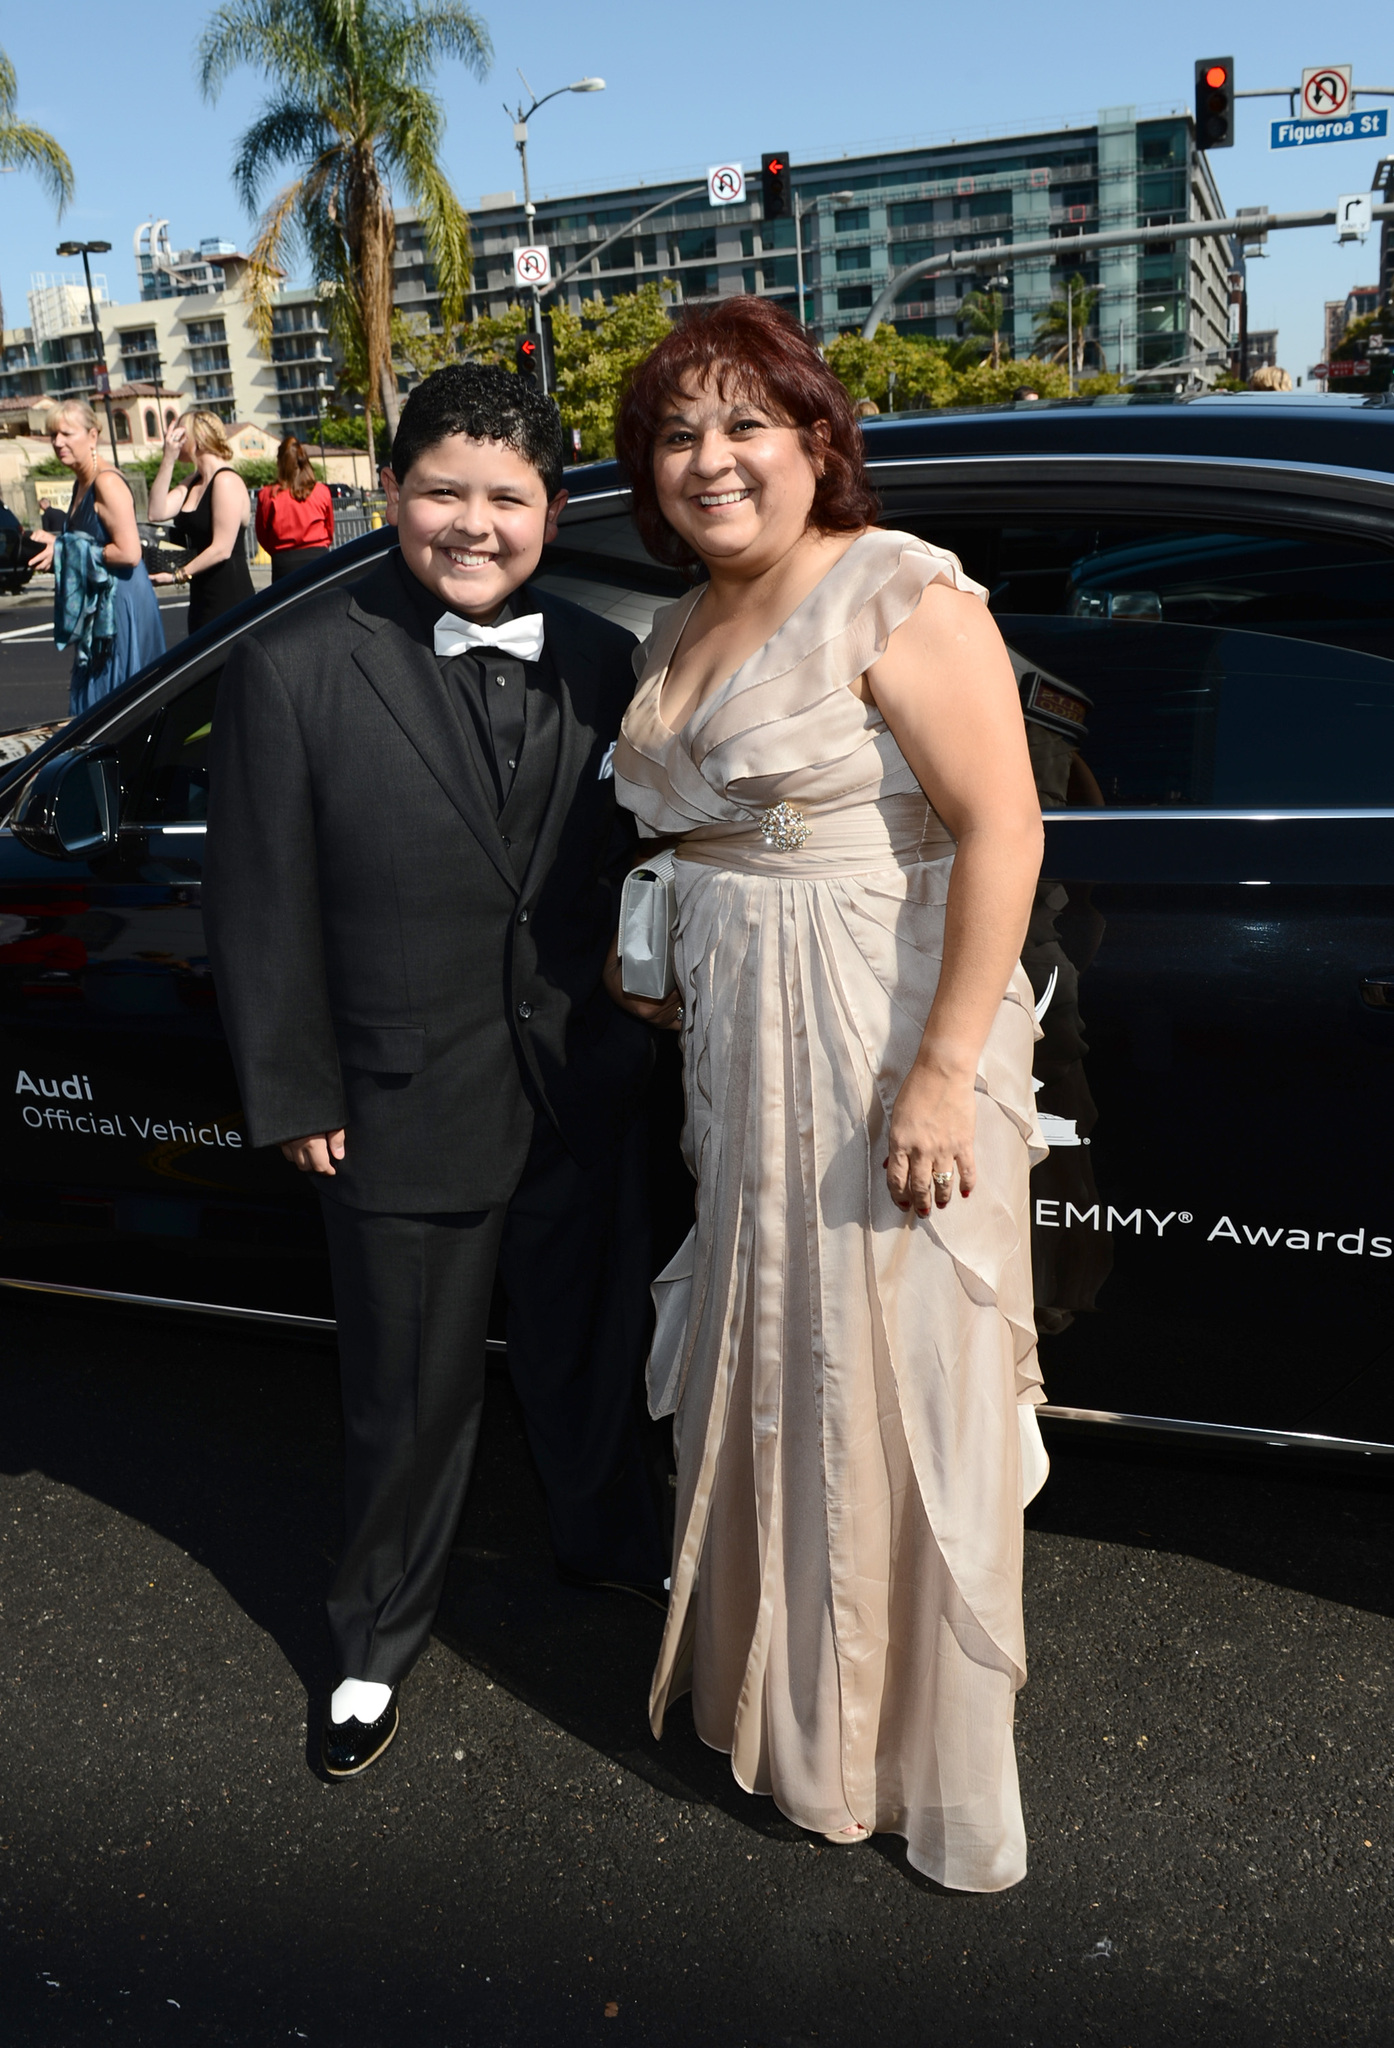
{"points": [[486, 403]]}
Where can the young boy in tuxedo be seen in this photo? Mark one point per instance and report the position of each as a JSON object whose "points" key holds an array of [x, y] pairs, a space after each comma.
{"points": [[414, 858]]}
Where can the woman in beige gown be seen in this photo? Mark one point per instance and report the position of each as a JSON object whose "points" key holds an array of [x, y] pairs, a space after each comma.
{"points": [[845, 1356]]}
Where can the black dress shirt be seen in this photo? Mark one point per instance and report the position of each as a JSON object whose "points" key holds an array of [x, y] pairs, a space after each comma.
{"points": [[489, 686]]}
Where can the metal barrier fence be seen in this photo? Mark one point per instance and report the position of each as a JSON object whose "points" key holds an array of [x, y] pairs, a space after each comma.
{"points": [[351, 522]]}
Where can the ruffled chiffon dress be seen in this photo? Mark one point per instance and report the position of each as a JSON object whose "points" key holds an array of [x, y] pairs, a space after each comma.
{"points": [[846, 1597]]}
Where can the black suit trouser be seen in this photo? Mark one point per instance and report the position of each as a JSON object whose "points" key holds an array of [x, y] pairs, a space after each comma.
{"points": [[412, 1297]]}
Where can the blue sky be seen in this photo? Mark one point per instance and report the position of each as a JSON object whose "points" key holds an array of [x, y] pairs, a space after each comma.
{"points": [[114, 82]]}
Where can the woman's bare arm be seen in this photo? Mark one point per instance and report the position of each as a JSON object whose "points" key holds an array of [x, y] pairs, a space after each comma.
{"points": [[117, 512], [165, 500], [946, 689]]}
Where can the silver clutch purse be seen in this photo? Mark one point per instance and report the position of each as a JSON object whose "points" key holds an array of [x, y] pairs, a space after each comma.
{"points": [[648, 919]]}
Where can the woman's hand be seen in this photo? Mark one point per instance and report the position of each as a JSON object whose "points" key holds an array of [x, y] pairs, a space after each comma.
{"points": [[174, 442], [664, 1016], [45, 541], [161, 576], [932, 1130]]}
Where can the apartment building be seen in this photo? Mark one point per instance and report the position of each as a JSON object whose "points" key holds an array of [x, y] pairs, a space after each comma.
{"points": [[1161, 312], [164, 354]]}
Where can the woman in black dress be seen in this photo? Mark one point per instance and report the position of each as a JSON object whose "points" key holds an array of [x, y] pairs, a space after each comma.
{"points": [[208, 515]]}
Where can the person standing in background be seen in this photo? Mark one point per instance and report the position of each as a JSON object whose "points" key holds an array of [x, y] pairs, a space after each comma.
{"points": [[103, 605], [295, 515], [207, 516]]}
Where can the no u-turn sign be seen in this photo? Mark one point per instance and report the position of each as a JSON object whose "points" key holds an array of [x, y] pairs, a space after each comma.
{"points": [[532, 267]]}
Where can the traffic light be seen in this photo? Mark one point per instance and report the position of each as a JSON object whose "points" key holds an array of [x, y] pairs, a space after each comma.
{"points": [[776, 185], [1215, 102], [534, 357]]}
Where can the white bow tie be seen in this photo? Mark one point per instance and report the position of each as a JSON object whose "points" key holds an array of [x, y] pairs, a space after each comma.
{"points": [[521, 637]]}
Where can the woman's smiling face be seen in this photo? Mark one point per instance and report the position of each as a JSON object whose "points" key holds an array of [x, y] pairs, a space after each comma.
{"points": [[733, 478]]}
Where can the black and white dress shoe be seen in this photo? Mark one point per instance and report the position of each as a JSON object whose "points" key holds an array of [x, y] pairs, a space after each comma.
{"points": [[348, 1747]]}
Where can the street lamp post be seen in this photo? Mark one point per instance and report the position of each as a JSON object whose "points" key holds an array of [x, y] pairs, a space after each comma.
{"points": [[100, 378], [520, 116]]}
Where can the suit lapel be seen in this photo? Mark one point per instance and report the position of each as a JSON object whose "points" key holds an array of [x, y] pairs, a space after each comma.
{"points": [[407, 677], [575, 741]]}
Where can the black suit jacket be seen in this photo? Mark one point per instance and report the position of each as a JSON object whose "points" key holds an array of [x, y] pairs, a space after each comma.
{"points": [[380, 961]]}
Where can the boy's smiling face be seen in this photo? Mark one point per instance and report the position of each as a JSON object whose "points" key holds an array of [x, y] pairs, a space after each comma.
{"points": [[472, 518]]}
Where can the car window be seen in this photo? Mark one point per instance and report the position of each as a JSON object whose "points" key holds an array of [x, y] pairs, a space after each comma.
{"points": [[1194, 666], [168, 781], [1332, 588], [601, 564]]}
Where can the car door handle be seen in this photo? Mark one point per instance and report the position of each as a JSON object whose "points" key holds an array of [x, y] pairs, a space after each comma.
{"points": [[1377, 991]]}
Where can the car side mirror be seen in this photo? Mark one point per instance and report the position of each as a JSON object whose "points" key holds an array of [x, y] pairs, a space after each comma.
{"points": [[72, 807]]}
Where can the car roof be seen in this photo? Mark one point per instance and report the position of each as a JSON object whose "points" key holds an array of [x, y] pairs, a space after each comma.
{"points": [[1333, 432]]}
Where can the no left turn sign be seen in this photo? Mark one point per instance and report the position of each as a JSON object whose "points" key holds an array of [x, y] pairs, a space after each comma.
{"points": [[725, 185], [532, 267], [1326, 90]]}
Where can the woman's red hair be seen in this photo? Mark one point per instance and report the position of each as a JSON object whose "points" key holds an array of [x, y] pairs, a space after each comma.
{"points": [[751, 346]]}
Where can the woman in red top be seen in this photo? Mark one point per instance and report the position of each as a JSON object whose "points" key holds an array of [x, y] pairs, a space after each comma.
{"points": [[295, 515]]}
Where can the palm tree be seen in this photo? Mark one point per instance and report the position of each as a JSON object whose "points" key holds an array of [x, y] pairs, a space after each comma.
{"points": [[26, 148], [986, 314], [1066, 319], [353, 113]]}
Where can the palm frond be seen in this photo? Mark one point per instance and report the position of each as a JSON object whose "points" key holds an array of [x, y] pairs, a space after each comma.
{"points": [[288, 130], [413, 130], [26, 148], [9, 87], [285, 39], [270, 255], [447, 230], [437, 29]]}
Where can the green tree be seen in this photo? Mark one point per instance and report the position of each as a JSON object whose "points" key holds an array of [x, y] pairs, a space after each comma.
{"points": [[1066, 320], [595, 351], [986, 314], [23, 147], [983, 385], [353, 112], [923, 374]]}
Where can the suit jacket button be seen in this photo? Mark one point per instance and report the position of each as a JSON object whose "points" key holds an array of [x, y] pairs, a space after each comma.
{"points": [[506, 840], [525, 1011], [522, 917]]}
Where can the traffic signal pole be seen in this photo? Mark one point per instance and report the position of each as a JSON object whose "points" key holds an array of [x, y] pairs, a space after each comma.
{"points": [[1242, 227]]}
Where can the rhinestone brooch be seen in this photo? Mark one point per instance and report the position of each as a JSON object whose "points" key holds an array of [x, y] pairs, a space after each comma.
{"points": [[783, 828]]}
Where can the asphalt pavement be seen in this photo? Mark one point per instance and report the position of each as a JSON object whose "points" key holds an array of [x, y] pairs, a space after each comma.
{"points": [[33, 674], [1204, 1748]]}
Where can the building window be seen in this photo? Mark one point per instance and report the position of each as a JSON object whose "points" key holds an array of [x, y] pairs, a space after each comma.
{"points": [[854, 259], [123, 426], [152, 424], [854, 220], [853, 298]]}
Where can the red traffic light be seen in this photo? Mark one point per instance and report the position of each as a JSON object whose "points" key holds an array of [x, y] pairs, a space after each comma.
{"points": [[1216, 75], [528, 347]]}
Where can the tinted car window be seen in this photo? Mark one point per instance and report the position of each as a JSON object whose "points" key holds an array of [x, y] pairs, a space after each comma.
{"points": [[1324, 587], [169, 785], [1193, 666]]}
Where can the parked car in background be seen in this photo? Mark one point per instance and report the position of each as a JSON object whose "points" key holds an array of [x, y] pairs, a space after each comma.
{"points": [[1199, 600]]}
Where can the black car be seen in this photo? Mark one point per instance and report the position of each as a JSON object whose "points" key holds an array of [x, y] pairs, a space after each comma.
{"points": [[1199, 600]]}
